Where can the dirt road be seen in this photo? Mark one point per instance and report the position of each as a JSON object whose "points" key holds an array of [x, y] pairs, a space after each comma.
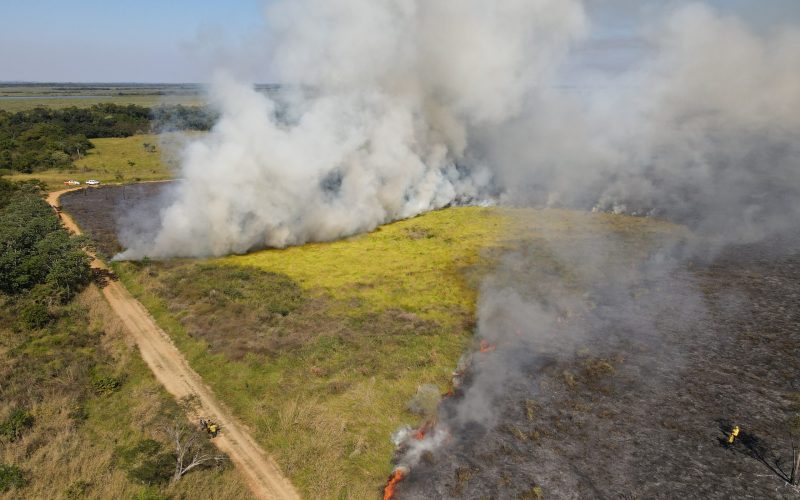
{"points": [[174, 373]]}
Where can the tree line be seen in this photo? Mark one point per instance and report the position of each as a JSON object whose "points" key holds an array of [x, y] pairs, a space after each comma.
{"points": [[43, 138], [38, 257]]}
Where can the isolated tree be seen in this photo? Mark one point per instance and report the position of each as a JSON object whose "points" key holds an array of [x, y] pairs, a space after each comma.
{"points": [[794, 476], [191, 450], [751, 445]]}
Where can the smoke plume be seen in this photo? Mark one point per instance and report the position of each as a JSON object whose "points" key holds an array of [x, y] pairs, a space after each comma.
{"points": [[397, 107], [403, 107], [380, 129], [702, 131]]}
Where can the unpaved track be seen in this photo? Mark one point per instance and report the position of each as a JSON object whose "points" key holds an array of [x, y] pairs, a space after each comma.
{"points": [[174, 373]]}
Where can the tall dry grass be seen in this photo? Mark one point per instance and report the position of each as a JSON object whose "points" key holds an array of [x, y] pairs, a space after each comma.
{"points": [[59, 451]]}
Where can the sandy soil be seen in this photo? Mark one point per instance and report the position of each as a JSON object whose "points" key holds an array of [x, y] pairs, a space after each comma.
{"points": [[172, 370]]}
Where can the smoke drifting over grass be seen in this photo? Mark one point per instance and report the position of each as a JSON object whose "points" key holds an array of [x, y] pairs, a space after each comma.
{"points": [[399, 89], [417, 105]]}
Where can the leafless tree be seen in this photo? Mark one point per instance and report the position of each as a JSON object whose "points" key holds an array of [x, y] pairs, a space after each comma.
{"points": [[751, 445], [794, 477], [190, 450]]}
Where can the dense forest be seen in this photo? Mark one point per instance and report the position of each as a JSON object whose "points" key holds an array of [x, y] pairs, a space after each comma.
{"points": [[42, 138]]}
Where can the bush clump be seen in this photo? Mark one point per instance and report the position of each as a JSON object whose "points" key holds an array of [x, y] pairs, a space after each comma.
{"points": [[11, 476], [16, 424], [35, 315], [104, 383], [146, 462]]}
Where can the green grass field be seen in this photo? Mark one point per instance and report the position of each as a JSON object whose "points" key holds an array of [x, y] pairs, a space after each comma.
{"points": [[119, 160], [320, 348]]}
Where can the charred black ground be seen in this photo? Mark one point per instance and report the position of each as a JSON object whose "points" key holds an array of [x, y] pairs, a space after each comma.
{"points": [[640, 411], [99, 211]]}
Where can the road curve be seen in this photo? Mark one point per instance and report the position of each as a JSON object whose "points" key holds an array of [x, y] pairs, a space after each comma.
{"points": [[171, 369]]}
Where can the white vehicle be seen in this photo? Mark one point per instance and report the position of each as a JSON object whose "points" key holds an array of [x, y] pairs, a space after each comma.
{"points": [[92, 182], [72, 182]]}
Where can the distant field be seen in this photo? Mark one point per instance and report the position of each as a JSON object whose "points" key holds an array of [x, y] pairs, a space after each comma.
{"points": [[21, 104], [15, 97], [119, 160]]}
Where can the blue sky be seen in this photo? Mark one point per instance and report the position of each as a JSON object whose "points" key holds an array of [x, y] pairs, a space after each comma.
{"points": [[116, 40], [178, 40]]}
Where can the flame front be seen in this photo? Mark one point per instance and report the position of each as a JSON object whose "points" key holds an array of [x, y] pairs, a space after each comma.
{"points": [[398, 475], [487, 347], [424, 428]]}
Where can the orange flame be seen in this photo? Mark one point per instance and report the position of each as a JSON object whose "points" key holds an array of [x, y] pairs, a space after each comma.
{"points": [[398, 475], [423, 429], [487, 347]]}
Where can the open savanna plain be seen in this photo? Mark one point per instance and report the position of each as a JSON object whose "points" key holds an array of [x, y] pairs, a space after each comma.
{"points": [[23, 96], [320, 348]]}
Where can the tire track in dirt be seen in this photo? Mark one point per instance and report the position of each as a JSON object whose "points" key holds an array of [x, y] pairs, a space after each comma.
{"points": [[171, 369]]}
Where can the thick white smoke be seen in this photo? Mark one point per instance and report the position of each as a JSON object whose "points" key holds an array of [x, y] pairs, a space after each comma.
{"points": [[404, 106], [398, 86], [703, 131]]}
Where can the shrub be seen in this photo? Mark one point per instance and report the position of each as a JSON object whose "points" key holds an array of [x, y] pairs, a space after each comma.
{"points": [[154, 470], [11, 477], [35, 315], [146, 462], [17, 422], [36, 250], [104, 383], [78, 413]]}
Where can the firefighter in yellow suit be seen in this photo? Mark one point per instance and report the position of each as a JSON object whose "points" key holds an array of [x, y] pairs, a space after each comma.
{"points": [[734, 434], [209, 426]]}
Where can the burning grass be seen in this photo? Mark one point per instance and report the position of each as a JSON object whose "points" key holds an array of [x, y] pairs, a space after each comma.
{"points": [[370, 320]]}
